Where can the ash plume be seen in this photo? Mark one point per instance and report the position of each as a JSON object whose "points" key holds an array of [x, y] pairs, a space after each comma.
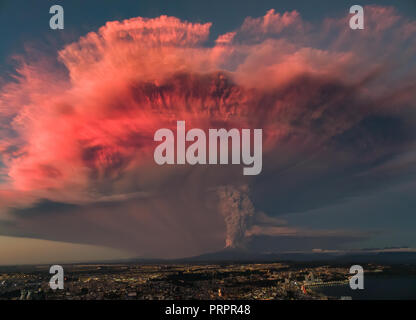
{"points": [[238, 211], [337, 109]]}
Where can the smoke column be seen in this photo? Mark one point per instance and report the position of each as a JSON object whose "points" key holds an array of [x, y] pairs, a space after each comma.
{"points": [[238, 211]]}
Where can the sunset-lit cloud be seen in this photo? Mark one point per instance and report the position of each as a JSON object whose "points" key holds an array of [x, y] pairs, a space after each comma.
{"points": [[77, 128]]}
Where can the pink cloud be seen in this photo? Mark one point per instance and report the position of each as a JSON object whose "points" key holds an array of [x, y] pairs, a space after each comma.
{"points": [[135, 76], [84, 131]]}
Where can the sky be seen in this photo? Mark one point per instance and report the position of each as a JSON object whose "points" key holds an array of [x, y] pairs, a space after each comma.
{"points": [[79, 108]]}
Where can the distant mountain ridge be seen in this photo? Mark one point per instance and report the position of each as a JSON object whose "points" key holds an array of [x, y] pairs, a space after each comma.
{"points": [[228, 255], [391, 256]]}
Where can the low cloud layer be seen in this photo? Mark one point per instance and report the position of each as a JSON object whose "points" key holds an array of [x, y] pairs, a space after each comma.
{"points": [[336, 107]]}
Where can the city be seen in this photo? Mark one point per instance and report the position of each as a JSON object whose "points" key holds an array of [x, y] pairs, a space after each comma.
{"points": [[257, 281]]}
